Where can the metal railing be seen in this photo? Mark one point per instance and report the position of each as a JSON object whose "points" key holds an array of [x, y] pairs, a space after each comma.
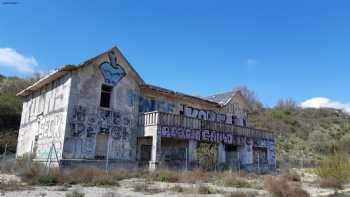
{"points": [[174, 120]]}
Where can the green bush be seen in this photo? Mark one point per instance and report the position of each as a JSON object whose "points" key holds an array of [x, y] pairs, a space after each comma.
{"points": [[47, 180], [207, 156], [336, 166]]}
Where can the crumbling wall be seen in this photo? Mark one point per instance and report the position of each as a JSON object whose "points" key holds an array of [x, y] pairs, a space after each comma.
{"points": [[43, 119], [86, 118]]}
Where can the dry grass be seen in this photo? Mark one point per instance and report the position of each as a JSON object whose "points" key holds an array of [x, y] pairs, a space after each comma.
{"points": [[281, 187], [195, 176], [331, 183], [146, 189], [178, 189], [12, 186], [89, 177], [241, 194], [291, 175], [75, 193], [232, 180]]}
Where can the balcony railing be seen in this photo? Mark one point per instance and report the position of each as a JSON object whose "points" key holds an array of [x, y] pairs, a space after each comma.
{"points": [[174, 120]]}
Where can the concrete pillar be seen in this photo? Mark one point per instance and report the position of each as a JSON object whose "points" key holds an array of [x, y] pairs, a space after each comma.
{"points": [[192, 146], [155, 155], [221, 153], [246, 154]]}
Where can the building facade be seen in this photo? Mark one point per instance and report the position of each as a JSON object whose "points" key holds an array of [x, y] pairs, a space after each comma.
{"points": [[102, 111]]}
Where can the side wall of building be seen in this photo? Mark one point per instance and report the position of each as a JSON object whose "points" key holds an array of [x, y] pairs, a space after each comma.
{"points": [[43, 119], [89, 124], [149, 101]]}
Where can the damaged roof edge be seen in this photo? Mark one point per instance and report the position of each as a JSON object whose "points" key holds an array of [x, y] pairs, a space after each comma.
{"points": [[47, 79], [161, 89]]}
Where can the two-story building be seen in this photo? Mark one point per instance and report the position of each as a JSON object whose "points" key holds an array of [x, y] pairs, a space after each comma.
{"points": [[102, 111]]}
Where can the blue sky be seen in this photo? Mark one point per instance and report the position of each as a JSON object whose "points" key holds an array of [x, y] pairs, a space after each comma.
{"points": [[280, 49]]}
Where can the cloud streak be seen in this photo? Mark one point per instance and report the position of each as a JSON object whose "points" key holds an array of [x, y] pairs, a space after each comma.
{"points": [[13, 59], [321, 102]]}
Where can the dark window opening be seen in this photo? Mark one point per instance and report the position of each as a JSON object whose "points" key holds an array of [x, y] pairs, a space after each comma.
{"points": [[234, 120], [244, 122], [105, 96]]}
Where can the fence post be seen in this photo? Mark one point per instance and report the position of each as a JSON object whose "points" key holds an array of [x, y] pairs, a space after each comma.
{"points": [[186, 159], [107, 156]]}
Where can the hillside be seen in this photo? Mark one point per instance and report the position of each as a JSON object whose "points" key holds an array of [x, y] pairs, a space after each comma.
{"points": [[304, 134], [10, 109]]}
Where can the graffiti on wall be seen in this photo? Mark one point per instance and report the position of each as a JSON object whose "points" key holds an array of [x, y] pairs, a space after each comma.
{"points": [[249, 144], [147, 104], [50, 126], [85, 124], [203, 114], [202, 135], [112, 71]]}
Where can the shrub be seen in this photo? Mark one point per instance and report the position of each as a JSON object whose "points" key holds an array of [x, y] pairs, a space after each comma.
{"points": [[146, 189], [207, 156], [177, 189], [89, 176], [334, 167], [165, 176], [202, 189], [280, 187], [48, 180], [292, 176], [233, 181], [75, 193]]}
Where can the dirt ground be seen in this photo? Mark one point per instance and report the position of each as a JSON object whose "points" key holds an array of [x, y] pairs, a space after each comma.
{"points": [[136, 187]]}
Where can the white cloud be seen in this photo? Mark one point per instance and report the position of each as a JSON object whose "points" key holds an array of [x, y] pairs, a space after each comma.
{"points": [[11, 58], [321, 102]]}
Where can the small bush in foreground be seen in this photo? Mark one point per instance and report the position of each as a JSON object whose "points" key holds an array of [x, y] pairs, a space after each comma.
{"points": [[146, 189], [49, 180], [75, 193], [281, 187], [177, 189], [292, 176], [232, 181], [203, 189]]}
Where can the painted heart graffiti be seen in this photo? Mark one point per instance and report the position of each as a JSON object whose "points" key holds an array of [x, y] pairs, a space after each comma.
{"points": [[112, 71]]}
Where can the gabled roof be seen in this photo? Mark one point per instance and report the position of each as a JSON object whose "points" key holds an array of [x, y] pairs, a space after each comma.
{"points": [[67, 68], [221, 98], [226, 97]]}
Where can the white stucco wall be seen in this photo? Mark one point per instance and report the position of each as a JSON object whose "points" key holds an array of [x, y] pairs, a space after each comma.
{"points": [[44, 115]]}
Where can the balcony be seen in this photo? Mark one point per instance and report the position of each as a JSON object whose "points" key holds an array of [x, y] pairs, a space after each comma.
{"points": [[180, 121]]}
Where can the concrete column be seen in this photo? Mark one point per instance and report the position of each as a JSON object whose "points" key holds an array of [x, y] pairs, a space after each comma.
{"points": [[246, 154], [155, 155], [192, 146], [221, 153]]}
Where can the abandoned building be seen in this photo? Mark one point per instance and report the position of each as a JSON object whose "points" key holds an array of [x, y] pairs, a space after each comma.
{"points": [[102, 111]]}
